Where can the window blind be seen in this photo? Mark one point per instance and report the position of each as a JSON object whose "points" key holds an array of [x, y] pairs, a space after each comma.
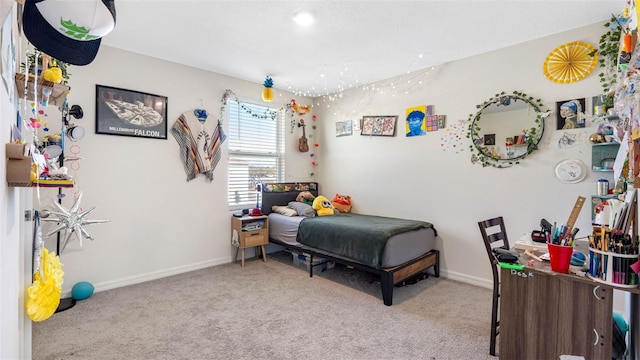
{"points": [[256, 151]]}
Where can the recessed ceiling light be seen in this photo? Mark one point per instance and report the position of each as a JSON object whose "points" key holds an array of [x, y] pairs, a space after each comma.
{"points": [[303, 18]]}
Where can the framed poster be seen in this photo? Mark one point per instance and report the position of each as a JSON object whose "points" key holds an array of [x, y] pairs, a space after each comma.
{"points": [[130, 113], [384, 125], [344, 128]]}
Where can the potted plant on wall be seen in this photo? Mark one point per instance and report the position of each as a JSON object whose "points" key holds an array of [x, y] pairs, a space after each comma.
{"points": [[52, 79], [608, 53], [59, 69]]}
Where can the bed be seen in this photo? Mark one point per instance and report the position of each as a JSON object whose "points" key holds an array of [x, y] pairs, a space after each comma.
{"points": [[391, 248]]}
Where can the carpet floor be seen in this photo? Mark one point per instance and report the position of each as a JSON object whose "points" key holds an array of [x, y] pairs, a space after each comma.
{"points": [[271, 310]]}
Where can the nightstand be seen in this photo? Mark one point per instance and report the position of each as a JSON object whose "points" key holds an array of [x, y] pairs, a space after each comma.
{"points": [[253, 231]]}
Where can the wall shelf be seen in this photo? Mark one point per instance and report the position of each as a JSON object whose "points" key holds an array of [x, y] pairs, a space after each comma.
{"points": [[58, 91], [603, 152], [603, 156]]}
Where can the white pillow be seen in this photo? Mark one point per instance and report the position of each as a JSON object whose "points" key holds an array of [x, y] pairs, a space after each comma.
{"points": [[284, 210]]}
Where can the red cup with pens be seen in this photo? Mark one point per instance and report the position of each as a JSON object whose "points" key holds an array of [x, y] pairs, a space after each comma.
{"points": [[560, 257], [560, 246]]}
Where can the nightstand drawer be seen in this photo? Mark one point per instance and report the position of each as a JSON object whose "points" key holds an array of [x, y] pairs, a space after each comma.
{"points": [[254, 238]]}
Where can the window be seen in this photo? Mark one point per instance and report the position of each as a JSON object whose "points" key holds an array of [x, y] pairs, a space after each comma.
{"points": [[256, 151]]}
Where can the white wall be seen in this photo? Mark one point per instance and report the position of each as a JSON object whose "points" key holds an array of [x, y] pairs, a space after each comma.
{"points": [[159, 224], [419, 178], [15, 257]]}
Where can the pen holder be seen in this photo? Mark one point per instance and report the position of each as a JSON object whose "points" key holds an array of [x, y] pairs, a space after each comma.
{"points": [[612, 268], [560, 257]]}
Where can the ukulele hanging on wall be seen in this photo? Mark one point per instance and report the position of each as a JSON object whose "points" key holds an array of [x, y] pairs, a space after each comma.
{"points": [[302, 142]]}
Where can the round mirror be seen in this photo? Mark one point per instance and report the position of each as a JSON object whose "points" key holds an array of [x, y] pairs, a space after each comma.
{"points": [[505, 129]]}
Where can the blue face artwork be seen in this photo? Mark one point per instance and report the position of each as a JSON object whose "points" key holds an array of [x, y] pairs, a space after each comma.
{"points": [[414, 122]]}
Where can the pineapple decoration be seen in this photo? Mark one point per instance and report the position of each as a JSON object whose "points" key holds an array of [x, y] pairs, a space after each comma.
{"points": [[267, 92]]}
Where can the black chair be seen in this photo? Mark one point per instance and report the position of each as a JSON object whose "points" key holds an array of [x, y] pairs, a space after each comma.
{"points": [[494, 235]]}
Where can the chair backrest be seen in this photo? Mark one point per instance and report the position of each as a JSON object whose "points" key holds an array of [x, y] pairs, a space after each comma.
{"points": [[494, 235]]}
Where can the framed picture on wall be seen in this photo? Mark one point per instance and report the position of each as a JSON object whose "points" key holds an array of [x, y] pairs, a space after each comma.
{"points": [[570, 114], [130, 113], [344, 128], [381, 125], [490, 139]]}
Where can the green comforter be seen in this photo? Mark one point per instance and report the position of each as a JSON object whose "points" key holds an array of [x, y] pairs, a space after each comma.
{"points": [[361, 238]]}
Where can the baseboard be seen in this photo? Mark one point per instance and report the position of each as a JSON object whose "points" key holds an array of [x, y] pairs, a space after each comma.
{"points": [[132, 280], [471, 280], [151, 276]]}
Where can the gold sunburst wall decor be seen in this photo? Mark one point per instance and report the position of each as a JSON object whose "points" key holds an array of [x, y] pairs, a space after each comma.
{"points": [[570, 62]]}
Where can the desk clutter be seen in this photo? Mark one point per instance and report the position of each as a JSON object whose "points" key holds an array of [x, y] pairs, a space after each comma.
{"points": [[613, 257], [615, 212], [613, 252], [563, 235], [560, 239]]}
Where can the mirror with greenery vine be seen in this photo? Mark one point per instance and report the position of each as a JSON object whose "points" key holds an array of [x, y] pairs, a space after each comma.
{"points": [[506, 129]]}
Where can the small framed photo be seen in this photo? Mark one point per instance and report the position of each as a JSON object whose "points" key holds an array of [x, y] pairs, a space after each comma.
{"points": [[570, 114], [381, 125], [357, 125], [130, 113], [344, 128], [490, 139]]}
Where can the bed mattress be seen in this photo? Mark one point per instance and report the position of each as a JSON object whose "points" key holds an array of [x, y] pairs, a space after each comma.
{"points": [[399, 249]]}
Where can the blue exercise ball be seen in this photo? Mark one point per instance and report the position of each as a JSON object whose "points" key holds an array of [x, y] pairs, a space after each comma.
{"points": [[82, 290]]}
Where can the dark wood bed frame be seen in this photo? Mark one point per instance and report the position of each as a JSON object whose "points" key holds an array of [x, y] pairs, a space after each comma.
{"points": [[389, 277]]}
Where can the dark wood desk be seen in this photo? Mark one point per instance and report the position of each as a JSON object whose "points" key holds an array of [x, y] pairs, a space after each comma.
{"points": [[544, 314]]}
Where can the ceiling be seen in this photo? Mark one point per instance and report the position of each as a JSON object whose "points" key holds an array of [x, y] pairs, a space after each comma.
{"points": [[351, 43]]}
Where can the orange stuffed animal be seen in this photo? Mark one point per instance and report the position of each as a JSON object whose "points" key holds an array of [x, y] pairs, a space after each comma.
{"points": [[342, 203]]}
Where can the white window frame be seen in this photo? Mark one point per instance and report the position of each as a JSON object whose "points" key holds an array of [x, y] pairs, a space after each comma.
{"points": [[247, 149]]}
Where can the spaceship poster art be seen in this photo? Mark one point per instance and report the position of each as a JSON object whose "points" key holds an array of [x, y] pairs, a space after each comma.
{"points": [[130, 113]]}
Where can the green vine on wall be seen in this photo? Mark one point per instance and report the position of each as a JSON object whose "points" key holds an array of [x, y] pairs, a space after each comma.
{"points": [[608, 52], [228, 93], [481, 154]]}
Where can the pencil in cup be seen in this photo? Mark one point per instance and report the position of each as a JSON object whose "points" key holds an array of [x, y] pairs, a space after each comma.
{"points": [[613, 268], [593, 264], [618, 274]]}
